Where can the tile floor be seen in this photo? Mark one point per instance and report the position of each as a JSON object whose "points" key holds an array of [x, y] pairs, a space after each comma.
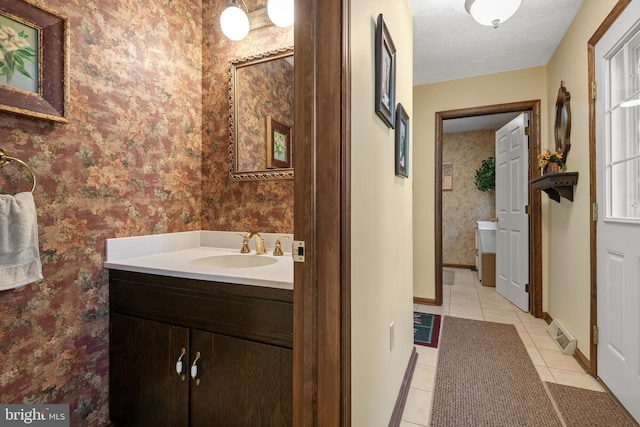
{"points": [[469, 299]]}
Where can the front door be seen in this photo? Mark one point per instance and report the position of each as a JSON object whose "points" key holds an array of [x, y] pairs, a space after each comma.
{"points": [[512, 196], [617, 61]]}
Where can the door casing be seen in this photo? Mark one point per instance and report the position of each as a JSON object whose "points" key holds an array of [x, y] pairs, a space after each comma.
{"points": [[535, 231]]}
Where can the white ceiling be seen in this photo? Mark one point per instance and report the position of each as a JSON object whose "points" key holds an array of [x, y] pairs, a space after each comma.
{"points": [[448, 44]]}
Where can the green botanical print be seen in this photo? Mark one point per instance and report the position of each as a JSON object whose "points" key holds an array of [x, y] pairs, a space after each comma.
{"points": [[14, 51]]}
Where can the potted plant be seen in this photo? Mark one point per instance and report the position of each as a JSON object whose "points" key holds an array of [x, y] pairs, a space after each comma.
{"points": [[486, 175], [551, 162]]}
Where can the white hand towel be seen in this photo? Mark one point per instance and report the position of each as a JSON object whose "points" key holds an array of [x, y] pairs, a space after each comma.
{"points": [[19, 252]]}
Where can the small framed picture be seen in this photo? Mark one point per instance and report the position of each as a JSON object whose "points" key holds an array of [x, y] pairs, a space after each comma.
{"points": [[385, 98], [447, 176], [278, 145], [33, 61], [402, 142]]}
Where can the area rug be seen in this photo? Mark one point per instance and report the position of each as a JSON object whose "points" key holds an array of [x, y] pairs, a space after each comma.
{"points": [[426, 329], [580, 407], [448, 277], [485, 377]]}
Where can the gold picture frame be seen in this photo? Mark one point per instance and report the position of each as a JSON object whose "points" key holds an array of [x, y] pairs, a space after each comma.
{"points": [[34, 61]]}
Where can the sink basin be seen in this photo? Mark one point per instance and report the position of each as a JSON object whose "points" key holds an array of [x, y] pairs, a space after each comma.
{"points": [[234, 261]]}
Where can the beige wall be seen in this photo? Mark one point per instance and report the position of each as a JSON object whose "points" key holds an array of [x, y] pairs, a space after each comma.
{"points": [[381, 229], [568, 224], [565, 225], [464, 204], [513, 86]]}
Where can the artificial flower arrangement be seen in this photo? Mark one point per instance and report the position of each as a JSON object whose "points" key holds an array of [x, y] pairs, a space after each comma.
{"points": [[549, 157]]}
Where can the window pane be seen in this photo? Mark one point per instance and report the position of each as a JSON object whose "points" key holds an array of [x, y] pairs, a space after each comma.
{"points": [[634, 64], [617, 143], [618, 79], [633, 184], [617, 191]]}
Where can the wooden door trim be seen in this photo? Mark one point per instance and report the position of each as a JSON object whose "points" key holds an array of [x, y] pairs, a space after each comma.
{"points": [[591, 65], [321, 337], [535, 221]]}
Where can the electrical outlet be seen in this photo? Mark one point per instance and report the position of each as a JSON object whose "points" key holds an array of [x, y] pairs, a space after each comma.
{"points": [[391, 336]]}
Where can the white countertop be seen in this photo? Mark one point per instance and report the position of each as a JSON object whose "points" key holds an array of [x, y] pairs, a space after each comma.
{"points": [[172, 255]]}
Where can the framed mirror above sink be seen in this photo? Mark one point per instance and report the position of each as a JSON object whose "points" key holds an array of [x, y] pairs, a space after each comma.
{"points": [[261, 116]]}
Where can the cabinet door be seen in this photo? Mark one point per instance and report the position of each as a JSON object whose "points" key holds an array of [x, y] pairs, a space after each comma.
{"points": [[145, 389], [242, 383]]}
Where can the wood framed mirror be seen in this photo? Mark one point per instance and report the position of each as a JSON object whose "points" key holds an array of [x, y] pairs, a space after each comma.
{"points": [[260, 94], [562, 125]]}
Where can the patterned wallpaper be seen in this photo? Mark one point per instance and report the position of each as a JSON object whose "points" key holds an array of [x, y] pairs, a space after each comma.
{"points": [[145, 148], [265, 206], [465, 204]]}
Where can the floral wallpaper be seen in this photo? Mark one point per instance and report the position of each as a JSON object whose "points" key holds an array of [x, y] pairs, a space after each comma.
{"points": [[129, 162], [265, 206], [465, 204]]}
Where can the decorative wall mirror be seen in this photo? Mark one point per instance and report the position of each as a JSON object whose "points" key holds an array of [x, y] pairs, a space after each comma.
{"points": [[562, 126], [261, 116]]}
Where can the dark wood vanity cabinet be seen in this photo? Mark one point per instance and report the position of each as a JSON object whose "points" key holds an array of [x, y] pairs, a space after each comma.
{"points": [[244, 373]]}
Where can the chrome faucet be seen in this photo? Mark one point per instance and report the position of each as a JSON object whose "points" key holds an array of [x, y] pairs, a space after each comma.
{"points": [[260, 250]]}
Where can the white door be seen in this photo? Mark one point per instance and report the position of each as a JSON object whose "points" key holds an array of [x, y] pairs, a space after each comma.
{"points": [[512, 195], [617, 61]]}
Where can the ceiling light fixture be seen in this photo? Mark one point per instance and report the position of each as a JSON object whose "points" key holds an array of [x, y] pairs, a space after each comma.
{"points": [[234, 22], [491, 12]]}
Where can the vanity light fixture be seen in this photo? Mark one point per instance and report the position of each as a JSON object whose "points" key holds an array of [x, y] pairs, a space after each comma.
{"points": [[280, 12], [492, 13], [236, 21]]}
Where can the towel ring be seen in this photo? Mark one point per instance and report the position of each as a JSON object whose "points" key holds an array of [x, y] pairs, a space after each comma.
{"points": [[5, 160]]}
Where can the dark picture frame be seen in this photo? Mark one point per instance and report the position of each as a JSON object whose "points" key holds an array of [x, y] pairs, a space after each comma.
{"points": [[385, 57], [402, 142], [278, 145], [49, 54]]}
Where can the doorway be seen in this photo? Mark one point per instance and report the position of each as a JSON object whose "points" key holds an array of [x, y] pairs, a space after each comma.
{"points": [[535, 246]]}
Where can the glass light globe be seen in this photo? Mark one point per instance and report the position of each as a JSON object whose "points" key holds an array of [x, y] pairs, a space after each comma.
{"points": [[280, 12], [234, 23], [492, 12]]}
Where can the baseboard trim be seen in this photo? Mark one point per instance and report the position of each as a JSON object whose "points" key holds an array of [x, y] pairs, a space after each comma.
{"points": [[468, 267], [424, 301], [582, 360], [396, 416]]}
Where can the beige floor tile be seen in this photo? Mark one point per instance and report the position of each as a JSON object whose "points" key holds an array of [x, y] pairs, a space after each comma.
{"points": [[408, 424], [526, 339], [465, 300], [576, 379], [537, 326], [544, 341], [458, 310], [427, 355], [545, 374], [559, 360], [500, 314], [433, 309], [535, 356], [418, 407], [424, 377]]}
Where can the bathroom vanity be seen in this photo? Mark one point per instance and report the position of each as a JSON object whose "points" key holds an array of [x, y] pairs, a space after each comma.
{"points": [[199, 352]]}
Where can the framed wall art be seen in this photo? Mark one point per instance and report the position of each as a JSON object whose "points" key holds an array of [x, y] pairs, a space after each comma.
{"points": [[447, 176], [402, 142], [385, 86], [278, 144], [33, 60]]}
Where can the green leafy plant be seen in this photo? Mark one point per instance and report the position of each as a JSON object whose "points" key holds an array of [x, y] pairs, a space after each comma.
{"points": [[14, 51], [486, 175]]}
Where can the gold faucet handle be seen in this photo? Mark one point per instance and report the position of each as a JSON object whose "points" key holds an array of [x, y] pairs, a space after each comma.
{"points": [[277, 251], [245, 243]]}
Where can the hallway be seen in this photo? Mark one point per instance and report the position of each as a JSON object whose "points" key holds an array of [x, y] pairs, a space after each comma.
{"points": [[467, 298]]}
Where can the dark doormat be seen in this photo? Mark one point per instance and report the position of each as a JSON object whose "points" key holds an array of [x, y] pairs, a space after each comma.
{"points": [[426, 329]]}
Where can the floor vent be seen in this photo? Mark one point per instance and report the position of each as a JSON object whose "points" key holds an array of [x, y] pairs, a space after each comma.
{"points": [[562, 337]]}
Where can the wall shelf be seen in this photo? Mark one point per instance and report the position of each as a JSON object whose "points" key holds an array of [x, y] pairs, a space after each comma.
{"points": [[557, 185]]}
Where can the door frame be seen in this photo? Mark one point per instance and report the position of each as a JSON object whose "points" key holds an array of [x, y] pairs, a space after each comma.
{"points": [[617, 10], [535, 216], [322, 284]]}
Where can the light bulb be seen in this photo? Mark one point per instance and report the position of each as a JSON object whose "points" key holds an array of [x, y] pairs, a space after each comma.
{"points": [[234, 23], [280, 12]]}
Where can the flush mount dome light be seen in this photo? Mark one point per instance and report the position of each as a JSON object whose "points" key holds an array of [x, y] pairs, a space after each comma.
{"points": [[280, 12], [234, 22], [491, 12]]}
